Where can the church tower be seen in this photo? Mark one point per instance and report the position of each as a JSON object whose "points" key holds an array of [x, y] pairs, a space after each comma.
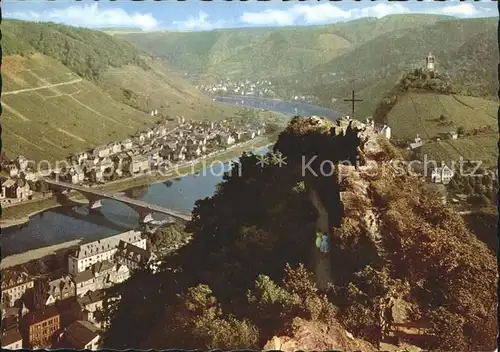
{"points": [[430, 63]]}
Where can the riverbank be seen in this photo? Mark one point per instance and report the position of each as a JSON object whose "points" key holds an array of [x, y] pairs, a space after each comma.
{"points": [[20, 214], [25, 257]]}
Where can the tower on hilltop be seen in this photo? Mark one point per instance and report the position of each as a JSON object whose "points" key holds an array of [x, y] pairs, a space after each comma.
{"points": [[430, 63]]}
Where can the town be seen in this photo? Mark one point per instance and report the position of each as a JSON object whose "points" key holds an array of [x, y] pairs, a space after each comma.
{"points": [[156, 149], [62, 309], [259, 88]]}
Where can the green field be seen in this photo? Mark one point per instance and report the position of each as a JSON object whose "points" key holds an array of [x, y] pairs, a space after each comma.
{"points": [[475, 148], [418, 113], [80, 88]]}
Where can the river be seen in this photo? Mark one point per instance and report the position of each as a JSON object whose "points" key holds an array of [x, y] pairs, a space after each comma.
{"points": [[65, 224]]}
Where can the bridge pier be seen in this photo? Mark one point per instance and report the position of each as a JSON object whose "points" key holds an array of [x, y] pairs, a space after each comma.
{"points": [[145, 217], [95, 204]]}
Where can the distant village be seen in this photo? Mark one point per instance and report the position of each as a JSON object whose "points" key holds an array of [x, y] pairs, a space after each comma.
{"points": [[64, 310], [158, 148], [259, 88]]}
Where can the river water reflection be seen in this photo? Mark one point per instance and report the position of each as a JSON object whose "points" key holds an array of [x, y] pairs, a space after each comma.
{"points": [[64, 224]]}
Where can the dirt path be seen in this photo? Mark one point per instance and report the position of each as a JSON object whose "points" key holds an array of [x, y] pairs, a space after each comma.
{"points": [[14, 112], [42, 87], [71, 135], [322, 263]]}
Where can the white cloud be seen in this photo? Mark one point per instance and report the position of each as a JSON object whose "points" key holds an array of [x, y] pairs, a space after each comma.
{"points": [[314, 14], [460, 10], [327, 12], [198, 23], [89, 15], [381, 10]]}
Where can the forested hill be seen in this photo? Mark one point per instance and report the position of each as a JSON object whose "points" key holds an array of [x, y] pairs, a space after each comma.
{"points": [[267, 52], [86, 52], [239, 282], [464, 48], [68, 89]]}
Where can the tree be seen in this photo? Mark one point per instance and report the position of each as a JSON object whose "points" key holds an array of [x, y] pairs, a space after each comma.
{"points": [[467, 188], [478, 200], [39, 294], [461, 130]]}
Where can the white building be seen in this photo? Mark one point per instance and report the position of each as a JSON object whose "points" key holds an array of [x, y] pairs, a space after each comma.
{"points": [[101, 151], [12, 340], [430, 64], [127, 144], [115, 147], [386, 132], [101, 250], [14, 285], [442, 174], [80, 157]]}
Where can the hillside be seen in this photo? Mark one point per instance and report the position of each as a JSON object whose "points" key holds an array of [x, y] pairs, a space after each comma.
{"points": [[377, 64], [66, 89], [252, 275], [425, 104], [266, 52]]}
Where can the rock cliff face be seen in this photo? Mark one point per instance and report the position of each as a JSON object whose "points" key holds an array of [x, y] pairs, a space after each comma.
{"points": [[316, 336]]}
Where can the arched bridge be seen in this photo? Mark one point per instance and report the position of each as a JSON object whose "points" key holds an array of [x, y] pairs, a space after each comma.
{"points": [[144, 209]]}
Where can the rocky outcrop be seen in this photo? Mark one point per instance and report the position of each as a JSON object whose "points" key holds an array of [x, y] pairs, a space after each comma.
{"points": [[316, 336]]}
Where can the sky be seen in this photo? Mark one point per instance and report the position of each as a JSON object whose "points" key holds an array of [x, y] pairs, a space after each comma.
{"points": [[196, 15]]}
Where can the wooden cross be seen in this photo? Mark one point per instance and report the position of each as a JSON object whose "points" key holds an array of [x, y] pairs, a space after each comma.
{"points": [[353, 100]]}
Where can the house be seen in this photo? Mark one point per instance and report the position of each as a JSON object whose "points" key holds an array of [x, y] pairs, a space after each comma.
{"points": [[28, 175], [76, 174], [115, 147], [453, 135], [226, 139], [81, 157], [139, 163], [105, 164], [238, 135], [133, 256], [442, 174], [38, 328], [21, 163], [120, 274], [14, 285], [84, 282], [127, 144], [103, 272], [62, 288], [162, 131], [10, 319], [251, 134], [70, 311], [149, 134], [89, 253], [81, 335], [101, 151], [92, 302], [416, 143], [13, 170], [12, 339], [386, 132], [16, 189]]}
